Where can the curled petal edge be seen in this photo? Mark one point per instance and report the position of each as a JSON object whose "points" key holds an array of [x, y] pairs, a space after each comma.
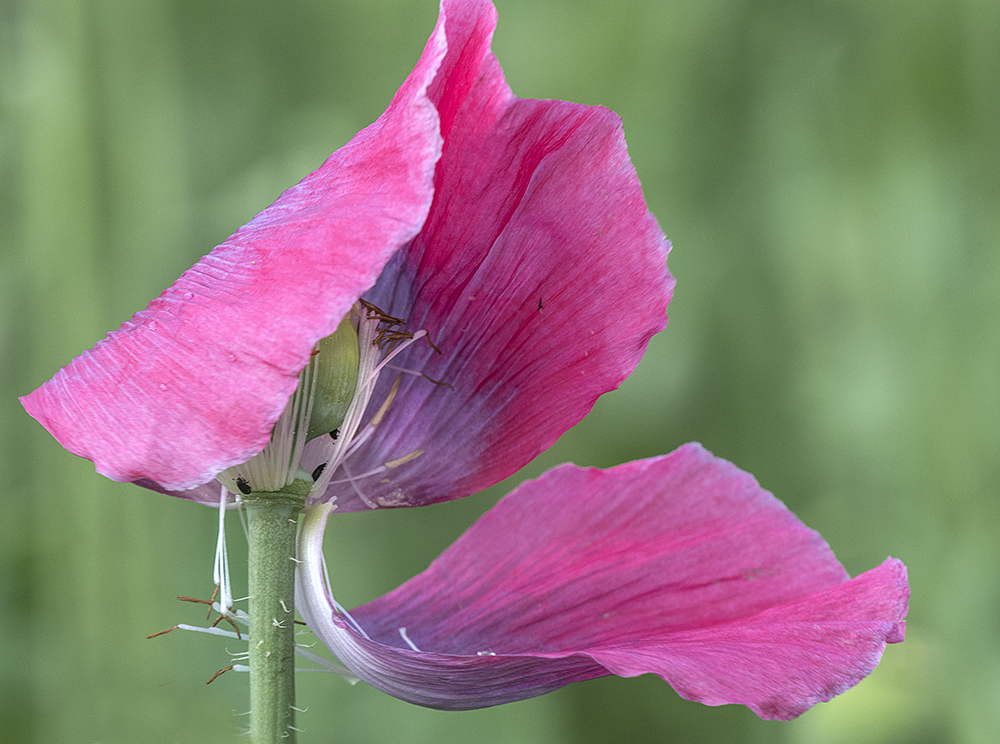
{"points": [[433, 680]]}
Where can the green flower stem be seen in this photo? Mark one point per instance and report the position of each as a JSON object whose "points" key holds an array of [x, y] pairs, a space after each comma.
{"points": [[272, 522]]}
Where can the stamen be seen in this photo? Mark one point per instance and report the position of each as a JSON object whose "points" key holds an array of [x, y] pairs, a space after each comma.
{"points": [[219, 673], [324, 664], [220, 572], [211, 602], [405, 458], [277, 465], [237, 615], [383, 317], [229, 620], [357, 489], [431, 344], [210, 631], [414, 372], [376, 471], [224, 614], [384, 408], [163, 632], [379, 337], [397, 349], [373, 340], [369, 474]]}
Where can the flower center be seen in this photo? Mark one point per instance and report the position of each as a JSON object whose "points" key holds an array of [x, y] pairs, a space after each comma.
{"points": [[327, 408]]}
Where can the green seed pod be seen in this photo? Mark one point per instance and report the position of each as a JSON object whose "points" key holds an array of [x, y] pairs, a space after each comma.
{"points": [[336, 370]]}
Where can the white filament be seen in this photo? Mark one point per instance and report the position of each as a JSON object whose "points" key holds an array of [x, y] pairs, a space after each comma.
{"points": [[220, 572], [370, 365]]}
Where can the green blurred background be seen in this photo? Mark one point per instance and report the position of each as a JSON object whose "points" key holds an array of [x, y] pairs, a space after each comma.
{"points": [[828, 173]]}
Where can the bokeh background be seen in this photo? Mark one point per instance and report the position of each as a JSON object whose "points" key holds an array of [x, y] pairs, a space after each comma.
{"points": [[828, 173]]}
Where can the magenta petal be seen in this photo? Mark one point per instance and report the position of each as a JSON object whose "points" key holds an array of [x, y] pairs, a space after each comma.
{"points": [[681, 566], [540, 274], [537, 269], [784, 660], [195, 382]]}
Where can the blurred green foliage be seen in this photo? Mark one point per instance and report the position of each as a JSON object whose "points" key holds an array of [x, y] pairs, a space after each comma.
{"points": [[828, 173]]}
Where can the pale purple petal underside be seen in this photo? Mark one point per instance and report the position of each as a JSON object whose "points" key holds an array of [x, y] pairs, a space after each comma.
{"points": [[680, 566], [540, 274], [195, 382]]}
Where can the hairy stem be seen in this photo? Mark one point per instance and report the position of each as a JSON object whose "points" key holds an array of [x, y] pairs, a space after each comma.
{"points": [[272, 525]]}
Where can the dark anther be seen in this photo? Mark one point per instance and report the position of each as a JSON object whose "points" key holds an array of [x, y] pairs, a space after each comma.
{"points": [[430, 343], [334, 434], [241, 483], [437, 382], [388, 337], [162, 632], [210, 603], [382, 315], [221, 671], [319, 470]]}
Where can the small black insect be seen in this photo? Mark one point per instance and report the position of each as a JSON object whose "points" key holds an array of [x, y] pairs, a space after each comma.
{"points": [[241, 483], [539, 303], [319, 471], [334, 434]]}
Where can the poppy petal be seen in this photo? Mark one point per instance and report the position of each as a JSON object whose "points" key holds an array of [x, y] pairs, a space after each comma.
{"points": [[680, 565], [166, 398], [540, 274]]}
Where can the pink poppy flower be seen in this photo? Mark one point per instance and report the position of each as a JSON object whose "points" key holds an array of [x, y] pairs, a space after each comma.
{"points": [[680, 566], [512, 232]]}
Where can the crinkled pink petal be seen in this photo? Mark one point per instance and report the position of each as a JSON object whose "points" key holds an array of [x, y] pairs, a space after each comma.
{"points": [[540, 274], [681, 566], [195, 383], [784, 660]]}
